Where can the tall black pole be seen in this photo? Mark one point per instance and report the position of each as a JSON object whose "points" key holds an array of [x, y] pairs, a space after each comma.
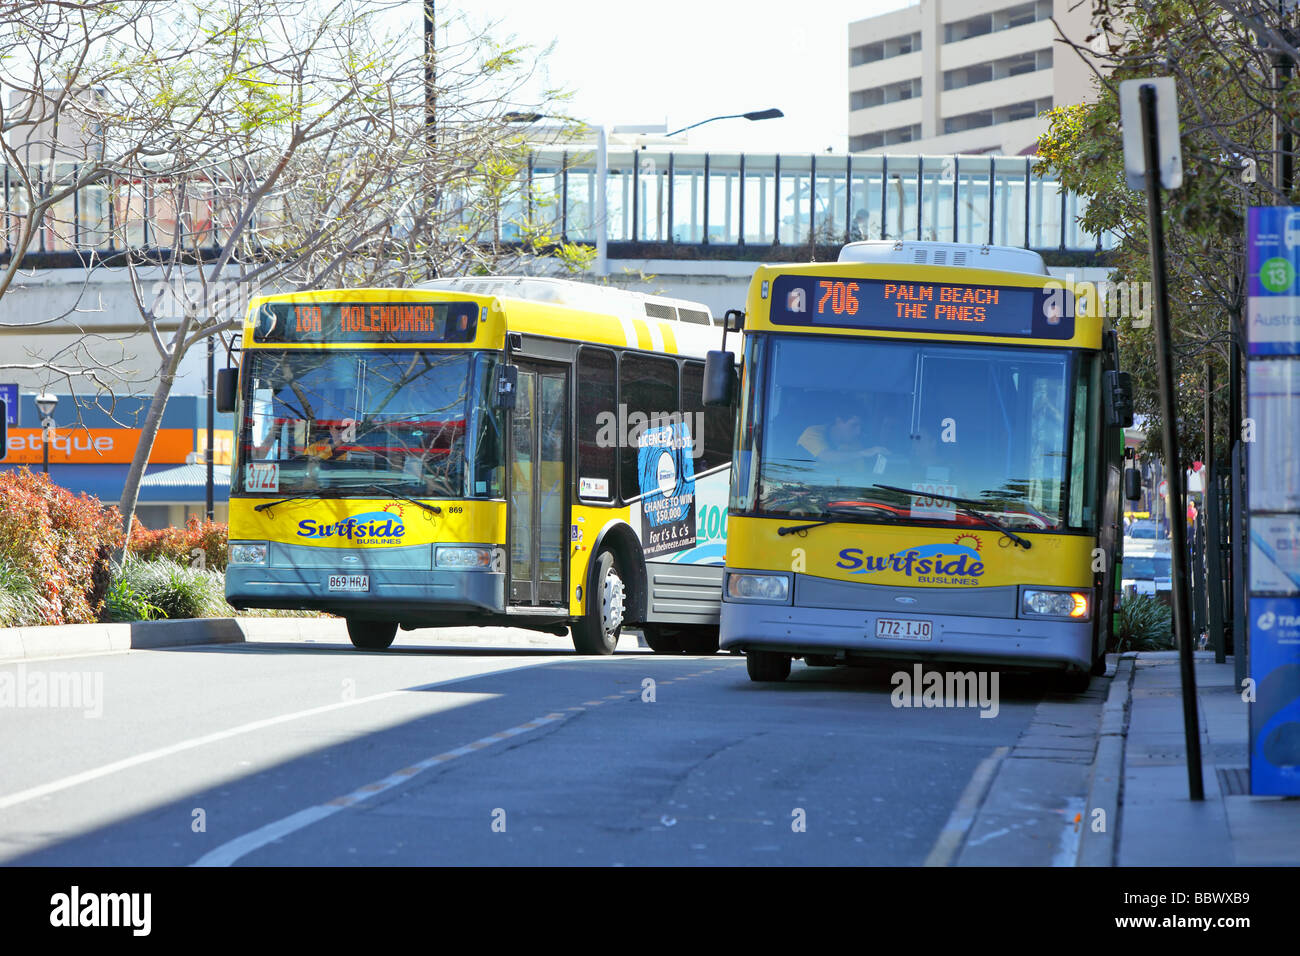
{"points": [[207, 458], [1177, 505]]}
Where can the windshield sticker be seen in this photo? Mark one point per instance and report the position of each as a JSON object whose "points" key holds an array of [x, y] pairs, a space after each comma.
{"points": [[926, 505], [959, 563], [667, 479], [262, 476], [593, 487]]}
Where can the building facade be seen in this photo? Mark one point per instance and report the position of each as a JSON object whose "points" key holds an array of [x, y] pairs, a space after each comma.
{"points": [[964, 76]]}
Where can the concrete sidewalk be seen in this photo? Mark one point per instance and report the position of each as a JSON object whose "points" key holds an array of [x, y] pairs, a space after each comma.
{"points": [[1159, 825]]}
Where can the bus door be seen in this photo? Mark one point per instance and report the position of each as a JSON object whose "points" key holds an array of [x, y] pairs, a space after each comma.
{"points": [[539, 543]]}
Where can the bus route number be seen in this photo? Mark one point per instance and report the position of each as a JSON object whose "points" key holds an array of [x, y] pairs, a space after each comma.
{"points": [[842, 297]]}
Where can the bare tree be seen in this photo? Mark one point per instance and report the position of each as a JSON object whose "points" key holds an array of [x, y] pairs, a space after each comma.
{"points": [[272, 145]]}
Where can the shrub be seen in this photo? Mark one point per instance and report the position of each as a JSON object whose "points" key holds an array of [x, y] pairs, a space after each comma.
{"points": [[173, 590], [183, 545], [60, 541], [124, 603], [20, 600], [1142, 624]]}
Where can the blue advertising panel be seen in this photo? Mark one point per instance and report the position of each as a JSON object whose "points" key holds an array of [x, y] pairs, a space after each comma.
{"points": [[1275, 714], [1272, 267], [1273, 393], [10, 395]]}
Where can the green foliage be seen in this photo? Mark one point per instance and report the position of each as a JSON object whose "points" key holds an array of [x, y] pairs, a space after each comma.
{"points": [[1224, 100], [21, 603], [1142, 624], [125, 603], [172, 590]]}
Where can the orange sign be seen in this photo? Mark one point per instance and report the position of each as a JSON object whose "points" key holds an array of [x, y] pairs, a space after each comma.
{"points": [[223, 444], [97, 446]]}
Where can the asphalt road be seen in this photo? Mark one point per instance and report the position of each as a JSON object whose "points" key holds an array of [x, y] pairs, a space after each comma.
{"points": [[510, 752]]}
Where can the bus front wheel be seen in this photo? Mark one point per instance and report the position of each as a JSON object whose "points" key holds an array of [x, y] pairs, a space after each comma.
{"points": [[371, 635], [596, 632], [767, 665]]}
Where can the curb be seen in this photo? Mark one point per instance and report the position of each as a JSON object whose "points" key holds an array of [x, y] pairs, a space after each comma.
{"points": [[77, 640], [1098, 849]]}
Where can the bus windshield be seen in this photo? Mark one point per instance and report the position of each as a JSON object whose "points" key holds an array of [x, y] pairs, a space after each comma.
{"points": [[880, 430], [330, 421]]}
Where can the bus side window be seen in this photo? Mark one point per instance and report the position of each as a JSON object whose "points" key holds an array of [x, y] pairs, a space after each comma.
{"points": [[596, 405], [719, 422]]}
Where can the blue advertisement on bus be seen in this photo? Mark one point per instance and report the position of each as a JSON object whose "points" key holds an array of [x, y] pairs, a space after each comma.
{"points": [[667, 482]]}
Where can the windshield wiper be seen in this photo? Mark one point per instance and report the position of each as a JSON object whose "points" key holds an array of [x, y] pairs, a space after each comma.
{"points": [[386, 490], [966, 507], [279, 501], [843, 510]]}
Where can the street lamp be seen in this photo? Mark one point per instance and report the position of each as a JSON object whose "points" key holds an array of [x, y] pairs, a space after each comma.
{"points": [[45, 404], [753, 116]]}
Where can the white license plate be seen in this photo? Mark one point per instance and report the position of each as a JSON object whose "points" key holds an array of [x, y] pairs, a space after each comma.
{"points": [[349, 582], [903, 630]]}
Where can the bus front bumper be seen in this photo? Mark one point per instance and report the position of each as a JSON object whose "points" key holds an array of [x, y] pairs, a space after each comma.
{"points": [[390, 594], [1014, 642]]}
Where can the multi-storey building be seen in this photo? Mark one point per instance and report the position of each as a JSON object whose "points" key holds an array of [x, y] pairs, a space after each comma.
{"points": [[963, 76]]}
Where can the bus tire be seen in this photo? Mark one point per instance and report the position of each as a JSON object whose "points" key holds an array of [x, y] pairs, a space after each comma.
{"points": [[661, 640], [596, 632], [699, 640], [767, 665], [371, 635]]}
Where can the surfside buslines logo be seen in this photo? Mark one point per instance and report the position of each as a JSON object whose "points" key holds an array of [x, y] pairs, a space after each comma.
{"points": [[373, 527], [959, 563]]}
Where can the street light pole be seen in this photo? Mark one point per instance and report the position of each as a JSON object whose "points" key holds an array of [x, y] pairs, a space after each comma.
{"points": [[602, 203], [45, 404]]}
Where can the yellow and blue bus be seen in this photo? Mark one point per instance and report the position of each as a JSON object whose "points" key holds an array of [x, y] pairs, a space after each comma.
{"points": [[928, 463], [515, 451]]}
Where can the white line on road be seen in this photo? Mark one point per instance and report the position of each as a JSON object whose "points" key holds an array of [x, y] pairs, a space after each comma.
{"points": [[963, 815], [45, 789], [241, 846], [229, 852]]}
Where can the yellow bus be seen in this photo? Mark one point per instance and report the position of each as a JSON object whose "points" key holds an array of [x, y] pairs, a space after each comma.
{"points": [[928, 463], [515, 451]]}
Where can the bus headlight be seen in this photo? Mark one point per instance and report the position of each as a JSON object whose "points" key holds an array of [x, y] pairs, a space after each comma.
{"points": [[758, 587], [248, 552], [1071, 604], [462, 558]]}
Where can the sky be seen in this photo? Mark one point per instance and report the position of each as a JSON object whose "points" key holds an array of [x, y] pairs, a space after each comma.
{"points": [[681, 61]]}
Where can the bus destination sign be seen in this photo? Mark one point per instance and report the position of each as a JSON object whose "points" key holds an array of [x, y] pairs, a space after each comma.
{"points": [[913, 306], [371, 322]]}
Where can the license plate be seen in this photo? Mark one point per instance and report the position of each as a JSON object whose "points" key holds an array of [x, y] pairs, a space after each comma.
{"points": [[349, 582], [902, 629]]}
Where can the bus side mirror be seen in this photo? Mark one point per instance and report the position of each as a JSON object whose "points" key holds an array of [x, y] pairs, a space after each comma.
{"points": [[1132, 484], [1119, 399], [227, 389], [733, 320], [507, 383], [719, 378]]}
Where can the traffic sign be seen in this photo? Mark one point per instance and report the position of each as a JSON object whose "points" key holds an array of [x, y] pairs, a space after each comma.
{"points": [[1162, 489], [1169, 150]]}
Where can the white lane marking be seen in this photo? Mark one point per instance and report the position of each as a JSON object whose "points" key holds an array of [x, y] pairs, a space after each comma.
{"points": [[54, 786], [241, 846], [963, 815]]}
